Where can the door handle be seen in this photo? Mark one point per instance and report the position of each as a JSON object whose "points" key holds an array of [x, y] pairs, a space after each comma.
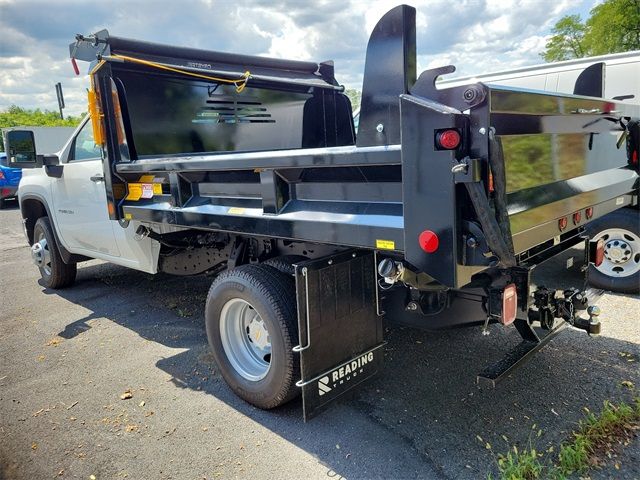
{"points": [[97, 178]]}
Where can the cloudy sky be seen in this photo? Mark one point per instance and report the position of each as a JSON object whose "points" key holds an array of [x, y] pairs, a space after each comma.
{"points": [[477, 36]]}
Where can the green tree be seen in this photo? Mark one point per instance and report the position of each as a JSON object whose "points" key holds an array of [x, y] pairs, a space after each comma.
{"points": [[567, 41], [613, 26], [354, 97], [16, 117]]}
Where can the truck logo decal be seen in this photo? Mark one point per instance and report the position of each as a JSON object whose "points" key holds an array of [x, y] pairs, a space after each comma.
{"points": [[323, 386], [343, 373], [199, 65]]}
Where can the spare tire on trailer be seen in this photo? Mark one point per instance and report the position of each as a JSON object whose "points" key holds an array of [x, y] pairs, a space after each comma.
{"points": [[285, 263], [252, 327], [620, 269]]}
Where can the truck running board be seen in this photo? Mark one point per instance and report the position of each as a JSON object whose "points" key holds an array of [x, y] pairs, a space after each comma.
{"points": [[340, 332], [520, 354]]}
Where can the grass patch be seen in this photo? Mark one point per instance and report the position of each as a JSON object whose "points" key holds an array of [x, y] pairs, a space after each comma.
{"points": [[592, 442]]}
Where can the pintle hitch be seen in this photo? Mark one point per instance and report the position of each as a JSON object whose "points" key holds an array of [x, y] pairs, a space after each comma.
{"points": [[549, 307]]}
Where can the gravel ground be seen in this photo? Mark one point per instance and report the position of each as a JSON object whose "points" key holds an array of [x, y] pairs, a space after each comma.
{"points": [[67, 356]]}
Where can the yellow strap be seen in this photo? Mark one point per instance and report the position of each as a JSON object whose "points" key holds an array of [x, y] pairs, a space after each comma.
{"points": [[239, 83]]}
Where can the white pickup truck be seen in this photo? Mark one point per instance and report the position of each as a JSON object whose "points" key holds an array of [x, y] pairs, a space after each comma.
{"points": [[66, 219]]}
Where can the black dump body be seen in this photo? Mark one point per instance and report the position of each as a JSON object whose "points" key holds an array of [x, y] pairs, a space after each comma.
{"points": [[268, 148]]}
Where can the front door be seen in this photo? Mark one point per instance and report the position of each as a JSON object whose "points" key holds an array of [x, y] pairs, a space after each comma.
{"points": [[80, 201]]}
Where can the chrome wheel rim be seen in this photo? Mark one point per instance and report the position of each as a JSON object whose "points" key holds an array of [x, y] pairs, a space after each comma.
{"points": [[621, 252], [245, 339], [41, 254]]}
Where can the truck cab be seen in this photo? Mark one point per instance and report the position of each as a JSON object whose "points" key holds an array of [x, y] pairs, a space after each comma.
{"points": [[69, 188]]}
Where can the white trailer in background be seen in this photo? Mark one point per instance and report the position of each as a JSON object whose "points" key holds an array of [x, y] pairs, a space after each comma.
{"points": [[621, 76]]}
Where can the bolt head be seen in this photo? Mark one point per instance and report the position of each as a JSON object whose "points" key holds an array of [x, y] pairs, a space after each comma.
{"points": [[412, 306], [482, 131], [380, 128]]}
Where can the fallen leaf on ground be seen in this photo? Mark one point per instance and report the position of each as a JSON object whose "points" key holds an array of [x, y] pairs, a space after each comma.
{"points": [[627, 383], [54, 342], [131, 428], [141, 404], [126, 395], [34, 446]]}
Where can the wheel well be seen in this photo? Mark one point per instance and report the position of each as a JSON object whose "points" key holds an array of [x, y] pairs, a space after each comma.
{"points": [[32, 210]]}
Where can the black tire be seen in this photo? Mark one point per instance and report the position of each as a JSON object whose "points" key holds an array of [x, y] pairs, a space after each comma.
{"points": [[285, 263], [1, 203], [625, 219], [272, 295], [60, 274]]}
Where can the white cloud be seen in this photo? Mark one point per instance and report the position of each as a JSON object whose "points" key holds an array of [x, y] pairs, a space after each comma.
{"points": [[476, 35]]}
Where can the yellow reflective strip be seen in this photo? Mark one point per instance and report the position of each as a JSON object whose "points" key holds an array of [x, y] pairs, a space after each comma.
{"points": [[135, 191], [235, 211], [157, 189], [146, 179]]}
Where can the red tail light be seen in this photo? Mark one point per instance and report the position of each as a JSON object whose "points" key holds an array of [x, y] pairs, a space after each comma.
{"points": [[509, 304], [589, 213], [596, 252], [562, 223], [577, 217], [448, 139], [429, 241]]}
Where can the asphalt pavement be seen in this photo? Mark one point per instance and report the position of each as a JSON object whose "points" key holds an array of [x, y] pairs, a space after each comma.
{"points": [[70, 358]]}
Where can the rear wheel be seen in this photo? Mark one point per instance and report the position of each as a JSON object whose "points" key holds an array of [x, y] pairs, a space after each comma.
{"points": [[45, 254], [252, 327], [620, 269]]}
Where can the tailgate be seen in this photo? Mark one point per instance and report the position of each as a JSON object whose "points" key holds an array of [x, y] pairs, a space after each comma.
{"points": [[560, 158]]}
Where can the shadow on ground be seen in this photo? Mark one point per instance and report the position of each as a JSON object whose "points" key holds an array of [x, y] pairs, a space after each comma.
{"points": [[426, 394]]}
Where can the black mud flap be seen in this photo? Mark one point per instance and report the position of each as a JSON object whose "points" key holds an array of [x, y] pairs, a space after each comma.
{"points": [[340, 331]]}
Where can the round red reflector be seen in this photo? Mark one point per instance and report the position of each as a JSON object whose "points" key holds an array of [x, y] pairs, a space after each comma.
{"points": [[429, 241], [562, 223], [576, 218], [449, 139], [589, 212]]}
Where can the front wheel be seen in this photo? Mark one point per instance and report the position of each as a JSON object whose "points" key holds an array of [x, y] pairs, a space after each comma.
{"points": [[252, 328], [620, 269], [44, 252]]}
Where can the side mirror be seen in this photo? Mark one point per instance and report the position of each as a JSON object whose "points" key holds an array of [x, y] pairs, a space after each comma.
{"points": [[50, 160], [21, 149]]}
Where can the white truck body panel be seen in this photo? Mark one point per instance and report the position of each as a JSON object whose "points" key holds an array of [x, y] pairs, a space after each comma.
{"points": [[78, 206]]}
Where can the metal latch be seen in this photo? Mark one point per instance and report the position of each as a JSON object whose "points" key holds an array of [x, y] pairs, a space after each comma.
{"points": [[467, 170]]}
